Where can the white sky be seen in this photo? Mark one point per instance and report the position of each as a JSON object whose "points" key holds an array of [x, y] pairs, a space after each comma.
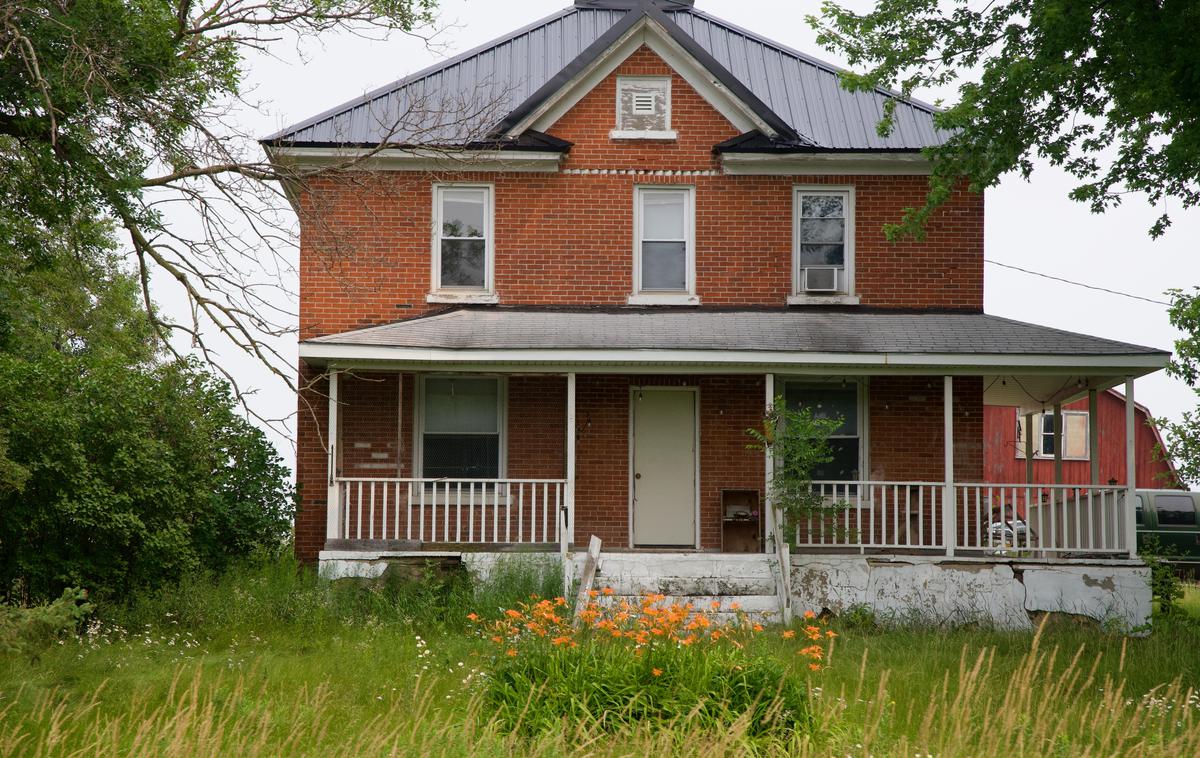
{"points": [[1032, 225]]}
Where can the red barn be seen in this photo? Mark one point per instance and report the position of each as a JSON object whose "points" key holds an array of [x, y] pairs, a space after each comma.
{"points": [[1004, 445]]}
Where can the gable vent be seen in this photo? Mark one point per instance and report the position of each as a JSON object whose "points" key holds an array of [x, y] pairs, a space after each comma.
{"points": [[643, 104]]}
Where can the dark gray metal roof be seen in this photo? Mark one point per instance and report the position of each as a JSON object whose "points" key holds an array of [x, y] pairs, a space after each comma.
{"points": [[464, 98], [813, 331]]}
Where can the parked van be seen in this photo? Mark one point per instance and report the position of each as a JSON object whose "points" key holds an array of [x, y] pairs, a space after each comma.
{"points": [[1172, 517]]}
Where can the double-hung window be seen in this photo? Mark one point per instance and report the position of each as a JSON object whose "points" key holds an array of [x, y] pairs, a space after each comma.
{"points": [[462, 250], [823, 248], [830, 400], [664, 246], [462, 422], [1074, 435]]}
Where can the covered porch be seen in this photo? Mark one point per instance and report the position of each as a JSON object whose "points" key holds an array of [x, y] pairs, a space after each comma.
{"points": [[500, 431]]}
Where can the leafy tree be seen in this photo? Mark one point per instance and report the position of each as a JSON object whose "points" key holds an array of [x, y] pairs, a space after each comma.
{"points": [[124, 470], [1105, 89], [1183, 436], [118, 109], [798, 441]]}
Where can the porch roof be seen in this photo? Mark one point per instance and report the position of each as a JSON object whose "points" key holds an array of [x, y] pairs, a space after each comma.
{"points": [[743, 341]]}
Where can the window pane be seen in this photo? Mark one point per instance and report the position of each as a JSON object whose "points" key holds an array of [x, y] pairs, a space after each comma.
{"points": [[663, 215], [822, 255], [831, 402], [462, 406], [463, 263], [664, 266], [822, 230], [1175, 510], [822, 206], [463, 212], [467, 456]]}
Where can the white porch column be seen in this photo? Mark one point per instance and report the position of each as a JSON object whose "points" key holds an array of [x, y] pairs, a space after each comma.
{"points": [[949, 522], [768, 473], [1094, 435], [571, 438], [1130, 470], [1029, 448], [332, 504], [1058, 447]]}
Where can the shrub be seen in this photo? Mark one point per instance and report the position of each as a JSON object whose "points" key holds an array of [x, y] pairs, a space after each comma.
{"points": [[28, 630], [628, 666]]}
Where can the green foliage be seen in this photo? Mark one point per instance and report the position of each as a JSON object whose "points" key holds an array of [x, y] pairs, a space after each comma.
{"points": [[1104, 89], [799, 442], [1183, 436], [1165, 585], [28, 630], [607, 688]]}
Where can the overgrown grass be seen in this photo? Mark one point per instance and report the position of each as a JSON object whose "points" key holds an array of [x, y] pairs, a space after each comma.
{"points": [[269, 661]]}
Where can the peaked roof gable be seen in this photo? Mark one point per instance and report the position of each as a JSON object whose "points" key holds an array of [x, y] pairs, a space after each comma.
{"points": [[795, 101]]}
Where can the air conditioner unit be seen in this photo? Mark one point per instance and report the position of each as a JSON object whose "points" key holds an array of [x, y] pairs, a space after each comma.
{"points": [[821, 279]]}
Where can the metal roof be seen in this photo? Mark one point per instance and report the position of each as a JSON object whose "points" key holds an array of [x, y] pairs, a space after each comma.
{"points": [[464, 98], [803, 331]]}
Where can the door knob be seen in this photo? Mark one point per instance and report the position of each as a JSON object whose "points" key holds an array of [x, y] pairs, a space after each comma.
{"points": [[637, 476]]}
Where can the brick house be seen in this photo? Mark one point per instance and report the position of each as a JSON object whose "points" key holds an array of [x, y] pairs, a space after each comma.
{"points": [[547, 285]]}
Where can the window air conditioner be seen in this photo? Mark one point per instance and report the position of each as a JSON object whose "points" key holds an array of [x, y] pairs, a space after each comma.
{"points": [[823, 279]]}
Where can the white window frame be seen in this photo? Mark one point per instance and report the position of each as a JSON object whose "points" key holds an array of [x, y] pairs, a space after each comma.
{"points": [[665, 134], [798, 296], [862, 384], [487, 293], [1039, 421], [419, 419], [665, 297]]}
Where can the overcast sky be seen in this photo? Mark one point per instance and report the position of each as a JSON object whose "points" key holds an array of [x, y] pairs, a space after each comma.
{"points": [[1031, 225]]}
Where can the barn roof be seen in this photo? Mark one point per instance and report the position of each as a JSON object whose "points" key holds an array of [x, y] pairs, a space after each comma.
{"points": [[485, 90]]}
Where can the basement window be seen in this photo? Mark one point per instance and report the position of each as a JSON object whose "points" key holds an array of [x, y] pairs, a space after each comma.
{"points": [[643, 108]]}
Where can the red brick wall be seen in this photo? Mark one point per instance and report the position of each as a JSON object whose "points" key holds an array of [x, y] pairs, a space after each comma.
{"points": [[907, 428]]}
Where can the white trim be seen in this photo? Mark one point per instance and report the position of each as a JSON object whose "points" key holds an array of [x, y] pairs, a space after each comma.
{"points": [[753, 361], [669, 134], [695, 389], [487, 293], [646, 32], [822, 164], [686, 296], [847, 192], [949, 506], [1130, 469], [823, 300], [419, 418], [333, 505], [416, 159]]}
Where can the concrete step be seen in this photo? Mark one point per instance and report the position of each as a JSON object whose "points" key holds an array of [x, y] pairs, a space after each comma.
{"points": [[686, 574]]}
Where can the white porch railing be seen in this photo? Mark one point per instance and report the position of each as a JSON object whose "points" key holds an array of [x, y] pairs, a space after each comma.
{"points": [[452, 511], [990, 519]]}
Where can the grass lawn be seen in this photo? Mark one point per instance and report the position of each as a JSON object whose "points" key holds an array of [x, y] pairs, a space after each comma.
{"points": [[271, 664]]}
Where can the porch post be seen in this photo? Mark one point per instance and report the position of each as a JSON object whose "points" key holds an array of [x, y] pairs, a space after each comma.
{"points": [[768, 510], [1029, 448], [571, 437], [1130, 470], [949, 524], [1094, 435], [1058, 440], [332, 504]]}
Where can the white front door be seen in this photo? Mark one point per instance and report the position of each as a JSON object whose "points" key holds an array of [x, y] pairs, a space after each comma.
{"points": [[664, 467]]}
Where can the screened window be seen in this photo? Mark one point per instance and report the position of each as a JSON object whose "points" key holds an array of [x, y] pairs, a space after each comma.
{"points": [[664, 241], [463, 245], [826, 402], [461, 427], [1175, 510], [822, 259]]}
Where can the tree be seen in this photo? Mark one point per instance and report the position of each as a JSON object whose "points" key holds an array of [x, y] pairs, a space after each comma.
{"points": [[1108, 90], [118, 111], [119, 469], [1183, 436]]}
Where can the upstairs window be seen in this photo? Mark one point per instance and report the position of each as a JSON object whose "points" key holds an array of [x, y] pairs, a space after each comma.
{"points": [[463, 241], [643, 108], [664, 246], [823, 249]]}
